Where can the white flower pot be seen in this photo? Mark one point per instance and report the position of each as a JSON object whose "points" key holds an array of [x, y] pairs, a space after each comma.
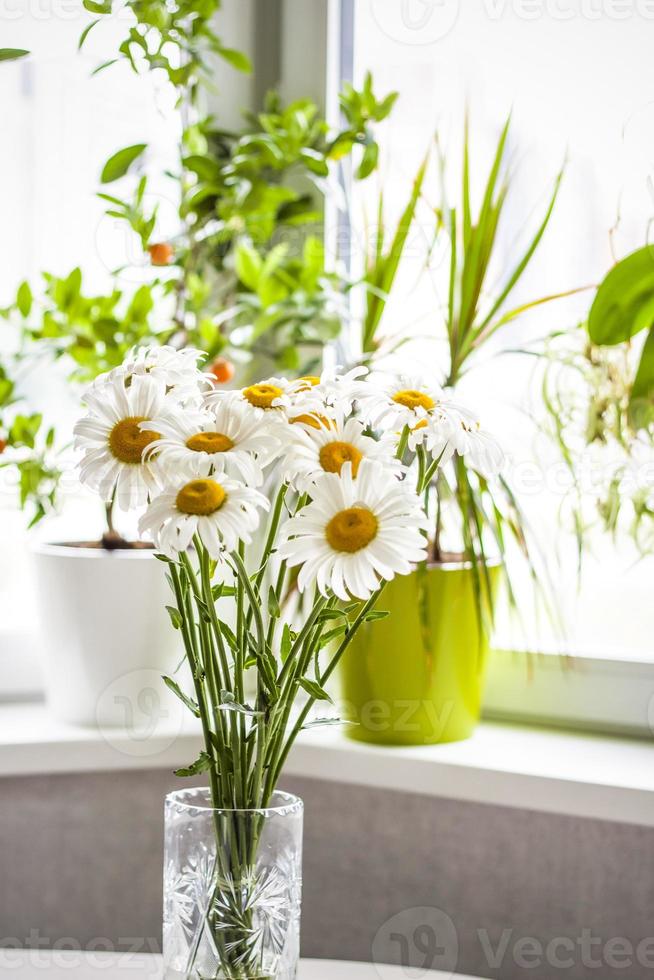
{"points": [[105, 634]]}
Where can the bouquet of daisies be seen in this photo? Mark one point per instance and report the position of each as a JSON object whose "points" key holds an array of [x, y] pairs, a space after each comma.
{"points": [[339, 467], [318, 487]]}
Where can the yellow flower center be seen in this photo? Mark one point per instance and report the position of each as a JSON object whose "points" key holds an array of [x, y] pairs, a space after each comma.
{"points": [[263, 395], [310, 381], [352, 529], [315, 420], [201, 497], [334, 455], [209, 442], [127, 441], [422, 424], [413, 399]]}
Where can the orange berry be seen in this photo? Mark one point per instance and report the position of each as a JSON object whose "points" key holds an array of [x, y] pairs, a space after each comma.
{"points": [[222, 370], [161, 253], [3, 445]]}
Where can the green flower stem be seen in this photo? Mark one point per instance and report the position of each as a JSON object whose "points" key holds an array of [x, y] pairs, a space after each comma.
{"points": [[430, 473], [255, 611], [272, 532], [253, 598], [270, 543], [280, 761], [240, 774], [318, 606], [404, 440], [278, 587], [310, 637], [422, 465], [239, 667], [210, 666], [190, 644]]}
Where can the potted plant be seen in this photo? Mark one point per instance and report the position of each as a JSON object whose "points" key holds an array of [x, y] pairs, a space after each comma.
{"points": [[243, 280], [599, 395], [347, 517], [421, 680]]}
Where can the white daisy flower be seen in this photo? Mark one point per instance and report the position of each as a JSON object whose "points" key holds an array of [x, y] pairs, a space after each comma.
{"points": [[451, 428], [220, 510], [175, 368], [404, 401], [274, 396], [113, 441], [482, 451], [355, 532], [224, 438], [442, 426], [435, 426], [341, 391], [324, 445]]}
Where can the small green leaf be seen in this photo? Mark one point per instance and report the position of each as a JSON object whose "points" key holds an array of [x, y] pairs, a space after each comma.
{"points": [[332, 635], [236, 59], [105, 64], [342, 145], [327, 614], [287, 643], [641, 403], [624, 303], [314, 161], [175, 616], [326, 723], [222, 591], [24, 430], [368, 161], [12, 54], [314, 689], [202, 764], [229, 703], [118, 164], [85, 33], [374, 615], [184, 698], [273, 604], [249, 265], [24, 299], [98, 6]]}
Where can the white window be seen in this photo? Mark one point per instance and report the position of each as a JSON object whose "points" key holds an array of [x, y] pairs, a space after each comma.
{"points": [[60, 123], [547, 64]]}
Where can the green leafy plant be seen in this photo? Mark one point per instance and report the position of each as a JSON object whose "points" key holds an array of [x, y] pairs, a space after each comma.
{"points": [[177, 39], [94, 332], [588, 394], [250, 226], [598, 390], [489, 515], [245, 275], [27, 449], [91, 334]]}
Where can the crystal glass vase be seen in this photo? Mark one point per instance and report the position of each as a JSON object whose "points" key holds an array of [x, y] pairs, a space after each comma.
{"points": [[232, 889]]}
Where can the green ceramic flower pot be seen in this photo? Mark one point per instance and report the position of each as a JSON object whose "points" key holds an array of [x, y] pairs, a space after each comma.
{"points": [[417, 676]]}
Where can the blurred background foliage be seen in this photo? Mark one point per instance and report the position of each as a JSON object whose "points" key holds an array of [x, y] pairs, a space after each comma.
{"points": [[244, 278]]}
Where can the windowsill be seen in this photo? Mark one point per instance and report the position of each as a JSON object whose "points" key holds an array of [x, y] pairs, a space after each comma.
{"points": [[510, 765]]}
